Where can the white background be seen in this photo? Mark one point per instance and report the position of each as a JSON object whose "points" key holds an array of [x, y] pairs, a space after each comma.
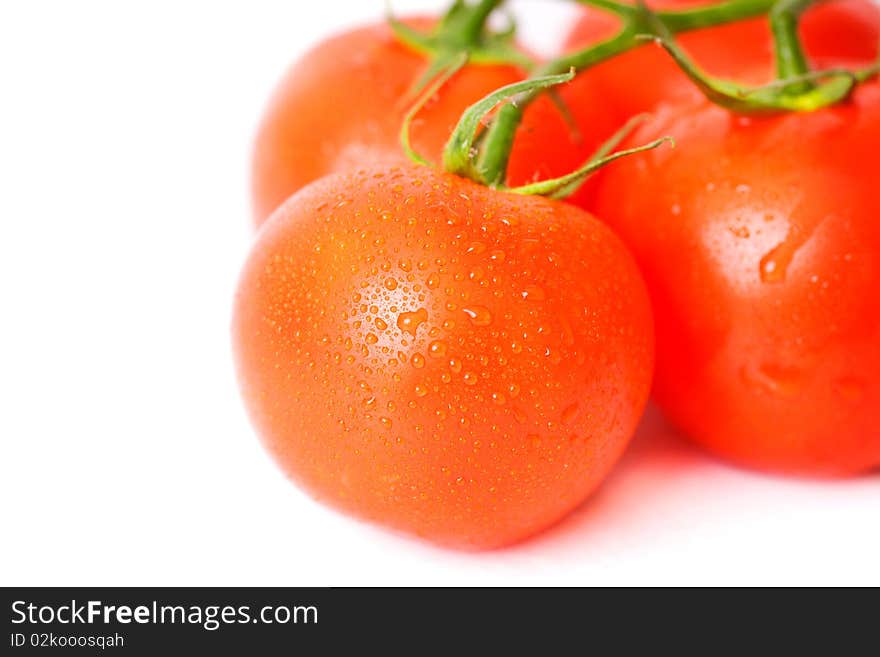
{"points": [[127, 458]]}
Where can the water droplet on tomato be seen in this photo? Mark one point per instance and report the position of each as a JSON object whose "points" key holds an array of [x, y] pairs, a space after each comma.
{"points": [[780, 380], [437, 349], [771, 272], [533, 293], [570, 413], [410, 321], [418, 361], [479, 315], [475, 248]]}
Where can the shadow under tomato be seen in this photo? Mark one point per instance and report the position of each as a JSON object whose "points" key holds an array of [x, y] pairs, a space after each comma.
{"points": [[665, 485], [657, 470]]}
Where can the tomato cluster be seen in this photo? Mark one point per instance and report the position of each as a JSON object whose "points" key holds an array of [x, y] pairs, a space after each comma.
{"points": [[466, 364]]}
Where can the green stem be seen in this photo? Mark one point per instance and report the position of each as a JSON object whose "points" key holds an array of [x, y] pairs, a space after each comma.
{"points": [[498, 144], [500, 135], [499, 139], [458, 155], [801, 92], [475, 20], [463, 29], [790, 58], [714, 14]]}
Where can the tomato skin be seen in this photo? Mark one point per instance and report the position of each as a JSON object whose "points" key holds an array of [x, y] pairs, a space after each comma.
{"points": [[843, 32], [342, 104], [760, 245], [455, 362]]}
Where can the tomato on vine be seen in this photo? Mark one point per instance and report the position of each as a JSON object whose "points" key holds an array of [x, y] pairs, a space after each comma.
{"points": [[762, 257], [457, 354], [462, 363], [342, 104], [841, 32], [459, 363]]}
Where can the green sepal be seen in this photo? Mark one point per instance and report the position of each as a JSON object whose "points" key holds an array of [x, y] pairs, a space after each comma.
{"points": [[565, 186], [459, 155], [463, 29]]}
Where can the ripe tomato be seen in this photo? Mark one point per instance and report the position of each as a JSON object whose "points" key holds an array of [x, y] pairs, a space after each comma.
{"points": [[760, 244], [460, 363], [341, 107], [845, 32]]}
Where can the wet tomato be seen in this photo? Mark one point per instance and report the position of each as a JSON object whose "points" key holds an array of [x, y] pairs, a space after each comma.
{"points": [[456, 362], [760, 244]]}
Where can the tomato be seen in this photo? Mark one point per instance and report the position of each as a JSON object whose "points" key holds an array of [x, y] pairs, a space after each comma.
{"points": [[452, 361], [341, 106], [841, 32], [760, 244]]}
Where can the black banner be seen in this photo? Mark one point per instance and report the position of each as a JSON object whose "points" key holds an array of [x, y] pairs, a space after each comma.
{"points": [[286, 621]]}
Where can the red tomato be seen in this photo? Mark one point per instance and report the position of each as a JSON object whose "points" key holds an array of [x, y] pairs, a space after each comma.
{"points": [[760, 243], [843, 32], [341, 107], [460, 363]]}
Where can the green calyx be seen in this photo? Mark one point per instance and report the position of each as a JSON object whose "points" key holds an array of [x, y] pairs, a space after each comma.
{"points": [[797, 88], [801, 93], [441, 78], [480, 149], [565, 186], [461, 155], [465, 154], [463, 30]]}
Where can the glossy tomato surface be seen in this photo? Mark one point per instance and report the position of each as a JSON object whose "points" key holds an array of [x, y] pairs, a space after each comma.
{"points": [[760, 243], [842, 32], [459, 363], [341, 107]]}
